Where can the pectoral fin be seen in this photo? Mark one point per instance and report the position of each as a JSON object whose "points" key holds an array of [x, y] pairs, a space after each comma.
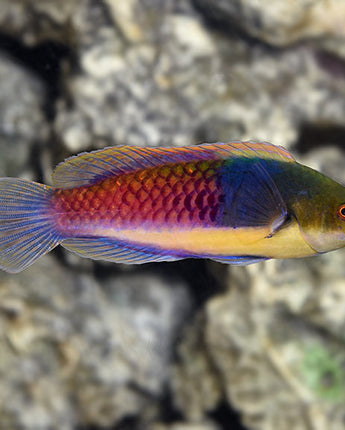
{"points": [[279, 223], [252, 198]]}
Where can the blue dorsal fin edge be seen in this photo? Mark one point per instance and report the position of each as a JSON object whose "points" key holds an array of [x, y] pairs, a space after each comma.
{"points": [[90, 167]]}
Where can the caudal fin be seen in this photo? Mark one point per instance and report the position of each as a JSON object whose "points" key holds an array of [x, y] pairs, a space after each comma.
{"points": [[26, 226]]}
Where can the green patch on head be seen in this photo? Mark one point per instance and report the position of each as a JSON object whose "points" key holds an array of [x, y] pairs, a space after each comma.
{"points": [[324, 373]]}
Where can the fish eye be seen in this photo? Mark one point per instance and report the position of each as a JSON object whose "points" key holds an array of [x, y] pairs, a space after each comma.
{"points": [[341, 212]]}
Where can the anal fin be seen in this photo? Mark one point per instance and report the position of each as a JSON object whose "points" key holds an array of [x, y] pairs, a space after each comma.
{"points": [[104, 248], [239, 260], [117, 251]]}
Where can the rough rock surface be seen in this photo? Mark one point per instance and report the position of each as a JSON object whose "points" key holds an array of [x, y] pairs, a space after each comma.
{"points": [[185, 84], [77, 350], [274, 344], [89, 345], [280, 22]]}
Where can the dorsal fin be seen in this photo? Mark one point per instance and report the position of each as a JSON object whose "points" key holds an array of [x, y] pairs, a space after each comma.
{"points": [[89, 167]]}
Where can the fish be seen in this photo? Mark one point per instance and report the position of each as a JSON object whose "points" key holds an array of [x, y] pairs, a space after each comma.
{"points": [[236, 203]]}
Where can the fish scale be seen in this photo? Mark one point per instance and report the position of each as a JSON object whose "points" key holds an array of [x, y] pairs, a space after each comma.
{"points": [[171, 195]]}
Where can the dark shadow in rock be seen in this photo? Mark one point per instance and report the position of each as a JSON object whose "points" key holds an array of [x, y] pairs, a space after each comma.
{"points": [[168, 413], [227, 418], [197, 273], [320, 135], [199, 276], [331, 63], [215, 20], [36, 160], [44, 60], [128, 423]]}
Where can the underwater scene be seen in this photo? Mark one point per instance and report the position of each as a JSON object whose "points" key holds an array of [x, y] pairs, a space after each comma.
{"points": [[194, 152]]}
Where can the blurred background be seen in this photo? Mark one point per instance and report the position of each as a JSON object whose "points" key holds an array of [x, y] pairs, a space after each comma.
{"points": [[191, 345]]}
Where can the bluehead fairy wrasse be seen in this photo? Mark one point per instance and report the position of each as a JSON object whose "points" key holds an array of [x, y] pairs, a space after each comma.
{"points": [[238, 203]]}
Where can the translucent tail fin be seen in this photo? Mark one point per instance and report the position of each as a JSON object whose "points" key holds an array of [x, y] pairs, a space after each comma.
{"points": [[26, 226]]}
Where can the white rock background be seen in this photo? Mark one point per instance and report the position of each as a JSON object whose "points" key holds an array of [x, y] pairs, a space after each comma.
{"points": [[182, 346]]}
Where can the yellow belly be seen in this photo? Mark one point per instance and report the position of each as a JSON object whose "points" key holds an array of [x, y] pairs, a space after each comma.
{"points": [[286, 243]]}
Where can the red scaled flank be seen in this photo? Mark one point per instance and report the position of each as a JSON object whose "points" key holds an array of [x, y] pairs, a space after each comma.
{"points": [[177, 195]]}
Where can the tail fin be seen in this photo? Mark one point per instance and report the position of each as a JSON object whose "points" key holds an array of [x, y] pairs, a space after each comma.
{"points": [[26, 226]]}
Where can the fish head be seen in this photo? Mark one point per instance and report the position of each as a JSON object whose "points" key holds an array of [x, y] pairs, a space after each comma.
{"points": [[319, 208]]}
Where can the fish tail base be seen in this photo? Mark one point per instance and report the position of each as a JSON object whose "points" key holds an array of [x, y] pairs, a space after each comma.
{"points": [[27, 227]]}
